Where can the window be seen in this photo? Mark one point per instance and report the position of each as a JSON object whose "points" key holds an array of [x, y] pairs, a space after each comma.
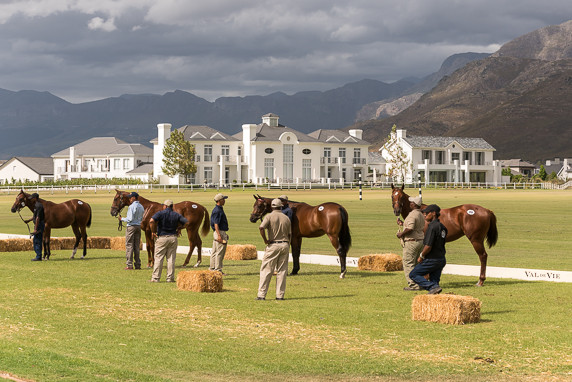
{"points": [[344, 175], [342, 154], [357, 172], [426, 154], [125, 164], [208, 174], [455, 156], [467, 157], [288, 160], [239, 150], [117, 164], [480, 158], [440, 157], [269, 150], [306, 170], [208, 155], [269, 168], [225, 150], [306, 151], [327, 152], [357, 156]]}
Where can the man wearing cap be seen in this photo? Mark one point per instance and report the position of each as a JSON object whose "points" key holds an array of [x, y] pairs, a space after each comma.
{"points": [[219, 225], [166, 226], [432, 258], [412, 236], [286, 210], [39, 220], [276, 253], [133, 231]]}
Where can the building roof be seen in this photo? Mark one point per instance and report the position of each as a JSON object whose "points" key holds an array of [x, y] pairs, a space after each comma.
{"points": [[466, 143], [144, 168], [201, 133], [106, 146], [41, 166], [375, 157], [265, 133], [516, 163], [336, 136]]}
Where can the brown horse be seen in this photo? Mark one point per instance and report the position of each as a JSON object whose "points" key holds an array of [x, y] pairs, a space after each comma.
{"points": [[312, 221], [471, 220], [73, 212], [193, 212]]}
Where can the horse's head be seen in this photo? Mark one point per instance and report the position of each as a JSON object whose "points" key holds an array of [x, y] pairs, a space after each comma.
{"points": [[22, 200], [119, 201], [398, 198], [261, 207]]}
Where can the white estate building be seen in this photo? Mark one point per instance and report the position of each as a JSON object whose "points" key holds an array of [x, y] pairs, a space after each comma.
{"points": [[102, 157], [26, 169], [448, 159], [267, 152]]}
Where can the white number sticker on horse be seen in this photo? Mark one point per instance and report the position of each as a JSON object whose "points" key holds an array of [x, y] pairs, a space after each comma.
{"points": [[79, 202], [321, 208], [471, 212], [194, 206]]}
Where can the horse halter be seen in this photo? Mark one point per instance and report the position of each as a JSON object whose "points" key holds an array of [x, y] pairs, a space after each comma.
{"points": [[260, 208], [120, 206]]}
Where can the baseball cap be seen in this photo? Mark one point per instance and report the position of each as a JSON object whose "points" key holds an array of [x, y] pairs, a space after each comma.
{"points": [[432, 208], [35, 195], [283, 197], [276, 202], [220, 197], [416, 200], [133, 194], [168, 202]]}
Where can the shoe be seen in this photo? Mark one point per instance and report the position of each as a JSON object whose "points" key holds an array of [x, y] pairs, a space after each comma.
{"points": [[280, 298], [411, 288], [170, 281], [222, 273], [137, 267], [260, 298], [37, 259], [153, 281], [435, 290], [128, 268]]}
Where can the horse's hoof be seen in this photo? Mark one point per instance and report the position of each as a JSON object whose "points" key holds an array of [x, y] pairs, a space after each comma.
{"points": [[343, 275], [293, 274], [197, 264], [479, 284], [184, 265]]}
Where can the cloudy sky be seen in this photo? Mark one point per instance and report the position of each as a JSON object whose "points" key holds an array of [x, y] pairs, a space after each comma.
{"points": [[84, 50]]}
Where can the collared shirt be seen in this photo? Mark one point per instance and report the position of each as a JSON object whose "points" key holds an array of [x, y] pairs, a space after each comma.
{"points": [[288, 212], [415, 222], [134, 214], [39, 216], [219, 217], [435, 237], [168, 221], [278, 225]]}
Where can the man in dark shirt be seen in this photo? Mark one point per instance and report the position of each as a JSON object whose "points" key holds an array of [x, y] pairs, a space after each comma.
{"points": [[219, 225], [432, 258], [166, 226], [286, 210], [39, 223]]}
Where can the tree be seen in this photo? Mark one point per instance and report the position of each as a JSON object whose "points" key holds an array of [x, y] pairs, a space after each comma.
{"points": [[178, 156], [398, 163], [542, 173]]}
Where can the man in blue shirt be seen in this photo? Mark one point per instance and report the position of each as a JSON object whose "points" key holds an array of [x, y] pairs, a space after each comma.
{"points": [[432, 258], [219, 225], [166, 226], [133, 231]]}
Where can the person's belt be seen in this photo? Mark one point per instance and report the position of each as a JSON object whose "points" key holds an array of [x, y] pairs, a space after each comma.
{"points": [[413, 240], [277, 241], [174, 234]]}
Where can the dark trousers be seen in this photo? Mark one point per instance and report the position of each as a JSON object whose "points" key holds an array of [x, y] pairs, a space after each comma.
{"points": [[38, 241], [433, 267]]}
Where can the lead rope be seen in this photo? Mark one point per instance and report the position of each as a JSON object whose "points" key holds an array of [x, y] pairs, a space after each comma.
{"points": [[120, 226], [27, 224]]}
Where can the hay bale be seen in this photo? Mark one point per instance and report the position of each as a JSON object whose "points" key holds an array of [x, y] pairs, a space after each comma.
{"points": [[99, 242], [386, 262], [117, 243], [58, 243], [200, 281], [16, 245], [446, 309], [241, 252]]}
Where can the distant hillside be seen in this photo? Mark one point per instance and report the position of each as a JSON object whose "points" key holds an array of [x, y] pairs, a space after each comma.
{"points": [[520, 105]]}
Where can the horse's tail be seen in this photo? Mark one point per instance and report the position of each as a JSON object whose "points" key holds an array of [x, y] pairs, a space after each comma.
{"points": [[206, 223], [89, 219], [493, 233], [345, 236]]}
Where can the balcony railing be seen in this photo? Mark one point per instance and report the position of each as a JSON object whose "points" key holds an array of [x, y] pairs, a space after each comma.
{"points": [[358, 161], [328, 160]]}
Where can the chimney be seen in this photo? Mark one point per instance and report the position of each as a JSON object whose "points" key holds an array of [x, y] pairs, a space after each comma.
{"points": [[72, 159], [248, 132], [401, 133], [163, 133], [356, 133], [270, 119]]}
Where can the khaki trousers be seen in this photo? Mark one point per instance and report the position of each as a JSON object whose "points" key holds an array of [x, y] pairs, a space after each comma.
{"points": [[218, 251], [411, 251], [275, 257], [165, 246], [132, 245]]}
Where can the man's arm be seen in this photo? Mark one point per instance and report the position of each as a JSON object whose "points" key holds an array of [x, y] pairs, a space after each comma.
{"points": [[218, 233], [263, 234], [424, 252]]}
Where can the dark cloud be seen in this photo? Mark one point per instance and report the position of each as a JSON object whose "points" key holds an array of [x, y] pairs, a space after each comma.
{"points": [[84, 50]]}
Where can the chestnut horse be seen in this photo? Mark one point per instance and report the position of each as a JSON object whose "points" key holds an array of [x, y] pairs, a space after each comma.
{"points": [[471, 220], [72, 212], [312, 221], [193, 212]]}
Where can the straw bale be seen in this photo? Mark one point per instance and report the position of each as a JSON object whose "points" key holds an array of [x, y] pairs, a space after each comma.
{"points": [[99, 242], [58, 243], [117, 243], [16, 245], [386, 262], [241, 252], [200, 281], [446, 309]]}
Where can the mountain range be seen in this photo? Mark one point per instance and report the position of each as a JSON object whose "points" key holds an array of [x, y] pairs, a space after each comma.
{"points": [[517, 99]]}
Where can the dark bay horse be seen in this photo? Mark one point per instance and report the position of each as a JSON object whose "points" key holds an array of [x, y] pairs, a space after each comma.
{"points": [[312, 221], [193, 212], [72, 212], [471, 220]]}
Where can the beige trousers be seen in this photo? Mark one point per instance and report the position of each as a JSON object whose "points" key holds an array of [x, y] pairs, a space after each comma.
{"points": [[165, 246], [218, 251], [411, 251], [275, 258]]}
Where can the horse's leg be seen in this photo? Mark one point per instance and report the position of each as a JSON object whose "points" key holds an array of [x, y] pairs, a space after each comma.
{"points": [[46, 242], [336, 244], [77, 234], [199, 246], [296, 249], [479, 247], [83, 234], [150, 249]]}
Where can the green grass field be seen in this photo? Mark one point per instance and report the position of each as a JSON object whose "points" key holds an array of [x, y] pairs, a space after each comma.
{"points": [[91, 320]]}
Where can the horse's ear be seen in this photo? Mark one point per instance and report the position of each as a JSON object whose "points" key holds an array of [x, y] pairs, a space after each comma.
{"points": [[392, 186], [402, 186], [254, 196]]}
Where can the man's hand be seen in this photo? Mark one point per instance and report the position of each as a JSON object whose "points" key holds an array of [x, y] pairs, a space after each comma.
{"points": [[119, 217], [399, 222], [154, 235]]}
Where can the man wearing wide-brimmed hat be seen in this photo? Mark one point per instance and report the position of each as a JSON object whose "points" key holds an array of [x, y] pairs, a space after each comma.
{"points": [[412, 236], [219, 225], [133, 231]]}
